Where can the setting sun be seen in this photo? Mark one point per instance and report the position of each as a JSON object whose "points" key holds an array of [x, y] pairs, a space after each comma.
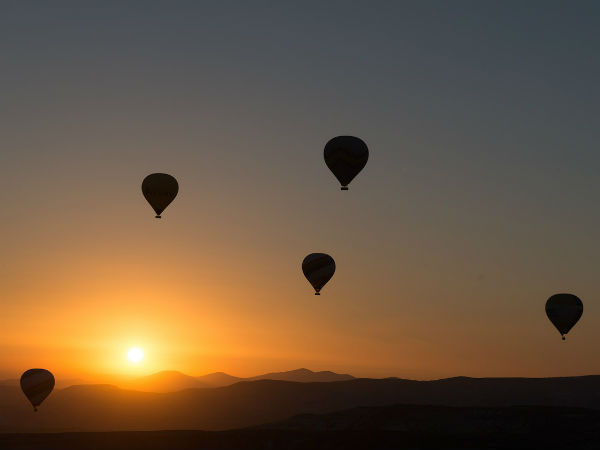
{"points": [[135, 355]]}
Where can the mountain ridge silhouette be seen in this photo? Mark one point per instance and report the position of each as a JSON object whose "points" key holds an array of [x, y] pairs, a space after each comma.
{"points": [[174, 380], [250, 403]]}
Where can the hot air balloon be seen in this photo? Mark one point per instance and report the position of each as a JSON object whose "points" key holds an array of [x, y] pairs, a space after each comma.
{"points": [[318, 269], [564, 310], [160, 189], [346, 156], [37, 385]]}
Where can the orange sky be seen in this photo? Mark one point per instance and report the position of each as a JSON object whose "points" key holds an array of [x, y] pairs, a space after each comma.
{"points": [[479, 200], [200, 292]]}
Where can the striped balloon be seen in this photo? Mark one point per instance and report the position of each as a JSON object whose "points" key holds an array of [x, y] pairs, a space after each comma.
{"points": [[318, 269], [346, 156], [564, 310], [159, 189], [37, 385]]}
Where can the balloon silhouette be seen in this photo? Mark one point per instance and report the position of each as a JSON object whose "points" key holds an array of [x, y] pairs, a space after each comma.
{"points": [[160, 189], [346, 156], [37, 385], [318, 269], [564, 310]]}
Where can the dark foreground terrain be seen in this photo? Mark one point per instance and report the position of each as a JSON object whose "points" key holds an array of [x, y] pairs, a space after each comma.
{"points": [[388, 427]]}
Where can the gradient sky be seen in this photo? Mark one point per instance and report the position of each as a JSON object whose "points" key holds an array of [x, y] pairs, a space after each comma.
{"points": [[479, 201]]}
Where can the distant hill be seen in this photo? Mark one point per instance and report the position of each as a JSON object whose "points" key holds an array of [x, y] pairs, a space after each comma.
{"points": [[386, 427], [303, 376], [172, 381], [250, 403], [218, 379], [166, 381]]}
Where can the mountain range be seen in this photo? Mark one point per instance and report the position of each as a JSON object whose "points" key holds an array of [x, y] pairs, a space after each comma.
{"points": [[252, 403], [173, 381]]}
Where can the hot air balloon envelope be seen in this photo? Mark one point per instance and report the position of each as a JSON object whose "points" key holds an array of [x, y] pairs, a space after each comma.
{"points": [[318, 269], [160, 189], [37, 384], [564, 310], [346, 156]]}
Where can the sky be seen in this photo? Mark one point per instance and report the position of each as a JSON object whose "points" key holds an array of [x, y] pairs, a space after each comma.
{"points": [[479, 200]]}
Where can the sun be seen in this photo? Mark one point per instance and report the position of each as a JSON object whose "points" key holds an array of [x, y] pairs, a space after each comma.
{"points": [[135, 355]]}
